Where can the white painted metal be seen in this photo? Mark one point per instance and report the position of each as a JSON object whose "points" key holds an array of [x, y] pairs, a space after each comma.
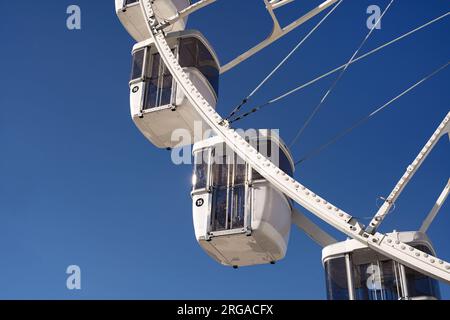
{"points": [[444, 128], [277, 30], [276, 33], [351, 245], [358, 255], [158, 125], [385, 244], [275, 4], [186, 12], [436, 208], [313, 231], [130, 15], [350, 281], [404, 282], [263, 237]]}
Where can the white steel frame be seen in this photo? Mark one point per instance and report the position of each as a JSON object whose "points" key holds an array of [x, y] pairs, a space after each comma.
{"points": [[382, 243], [384, 210], [277, 30], [312, 230], [436, 208]]}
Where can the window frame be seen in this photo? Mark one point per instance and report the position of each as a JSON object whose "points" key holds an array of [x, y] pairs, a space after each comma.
{"points": [[208, 166], [403, 276], [331, 285], [145, 78], [126, 5], [205, 46], [230, 189], [144, 66]]}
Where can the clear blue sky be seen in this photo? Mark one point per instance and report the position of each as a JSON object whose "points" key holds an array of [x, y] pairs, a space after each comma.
{"points": [[80, 185]]}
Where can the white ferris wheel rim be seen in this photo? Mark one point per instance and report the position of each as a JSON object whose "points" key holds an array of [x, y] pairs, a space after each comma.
{"points": [[382, 243]]}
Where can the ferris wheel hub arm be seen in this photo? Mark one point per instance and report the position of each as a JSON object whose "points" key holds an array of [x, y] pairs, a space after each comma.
{"points": [[313, 231], [436, 208], [384, 244], [275, 4], [276, 25], [277, 31], [444, 128], [185, 12]]}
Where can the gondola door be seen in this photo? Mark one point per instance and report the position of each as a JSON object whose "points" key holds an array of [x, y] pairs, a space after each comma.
{"points": [[228, 188]]}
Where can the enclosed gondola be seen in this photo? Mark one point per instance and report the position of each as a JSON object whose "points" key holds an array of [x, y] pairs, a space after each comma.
{"points": [[158, 107], [240, 219], [355, 272], [131, 17]]}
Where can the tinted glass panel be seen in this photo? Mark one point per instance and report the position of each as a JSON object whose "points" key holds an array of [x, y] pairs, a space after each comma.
{"points": [[228, 176], [420, 285], [285, 164], [238, 212], [193, 53], [336, 279], [220, 209], [271, 150], [240, 171], [200, 170], [377, 281], [256, 175], [220, 173], [265, 148], [159, 84], [138, 62]]}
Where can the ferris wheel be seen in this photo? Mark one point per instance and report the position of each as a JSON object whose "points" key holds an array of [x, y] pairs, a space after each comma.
{"points": [[243, 185]]}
